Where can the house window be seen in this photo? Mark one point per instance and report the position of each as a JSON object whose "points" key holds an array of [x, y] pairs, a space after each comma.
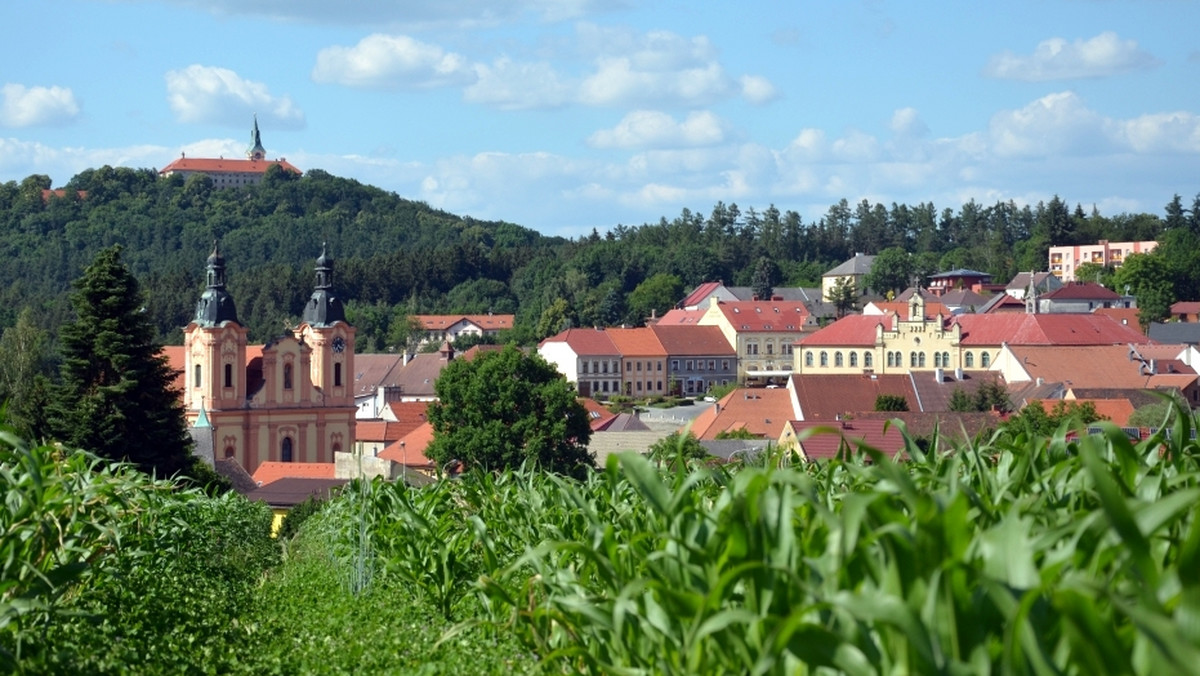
{"points": [[824, 358], [659, 386], [890, 360], [837, 359], [808, 359], [712, 364], [639, 386], [867, 360], [674, 364], [985, 359], [287, 376], [196, 381], [770, 347], [658, 366], [921, 359], [638, 365], [912, 360], [786, 348], [285, 453], [937, 359], [691, 365], [970, 360], [854, 359], [229, 375], [946, 359], [752, 347], [337, 375]]}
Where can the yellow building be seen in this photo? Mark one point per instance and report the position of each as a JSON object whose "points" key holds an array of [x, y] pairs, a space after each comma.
{"points": [[763, 332]]}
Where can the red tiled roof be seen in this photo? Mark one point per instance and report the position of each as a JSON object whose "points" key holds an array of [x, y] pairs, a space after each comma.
{"points": [[693, 340], [762, 412], [823, 444], [900, 308], [765, 315], [176, 359], [1090, 366], [598, 416], [383, 430], [1127, 316], [586, 342], [273, 470], [1044, 329], [410, 450], [639, 342], [681, 318], [1186, 307], [1116, 410], [849, 330], [225, 166], [826, 396], [485, 322], [1082, 291], [701, 292]]}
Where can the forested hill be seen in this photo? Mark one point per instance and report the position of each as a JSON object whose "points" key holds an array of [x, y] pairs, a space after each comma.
{"points": [[396, 257]]}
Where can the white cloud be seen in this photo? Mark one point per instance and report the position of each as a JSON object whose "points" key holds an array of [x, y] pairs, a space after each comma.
{"points": [[757, 89], [392, 61], [1054, 124], [514, 85], [654, 129], [413, 13], [907, 122], [1056, 59], [22, 106], [212, 95]]}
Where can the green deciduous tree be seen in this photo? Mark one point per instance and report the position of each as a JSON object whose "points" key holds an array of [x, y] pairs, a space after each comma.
{"points": [[1149, 278], [504, 409], [892, 270], [24, 360], [891, 402], [657, 294], [842, 296], [116, 398]]}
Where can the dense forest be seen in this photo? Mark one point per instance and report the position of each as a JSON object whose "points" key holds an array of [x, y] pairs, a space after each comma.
{"points": [[397, 257]]}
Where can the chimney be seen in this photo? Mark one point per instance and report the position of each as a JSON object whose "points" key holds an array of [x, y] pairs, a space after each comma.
{"points": [[1153, 366], [939, 377], [958, 373], [1039, 381]]}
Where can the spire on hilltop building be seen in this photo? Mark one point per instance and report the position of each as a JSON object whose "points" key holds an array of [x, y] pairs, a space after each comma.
{"points": [[324, 308], [215, 305], [256, 151]]}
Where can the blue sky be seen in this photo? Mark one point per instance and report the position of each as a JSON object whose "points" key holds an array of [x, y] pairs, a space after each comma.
{"points": [[568, 115]]}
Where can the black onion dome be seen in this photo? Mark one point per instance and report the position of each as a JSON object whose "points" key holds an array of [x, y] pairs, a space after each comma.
{"points": [[215, 305], [324, 308]]}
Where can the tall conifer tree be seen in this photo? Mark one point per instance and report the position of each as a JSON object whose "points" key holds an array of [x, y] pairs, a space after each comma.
{"points": [[116, 398]]}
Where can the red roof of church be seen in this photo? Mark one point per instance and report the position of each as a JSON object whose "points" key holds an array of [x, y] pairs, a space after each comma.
{"points": [[222, 165]]}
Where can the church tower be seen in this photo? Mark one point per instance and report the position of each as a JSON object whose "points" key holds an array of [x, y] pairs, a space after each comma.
{"points": [[215, 347], [256, 150], [324, 329]]}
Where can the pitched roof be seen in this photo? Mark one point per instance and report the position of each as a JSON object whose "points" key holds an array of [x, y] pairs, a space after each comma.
{"points": [[693, 340], [273, 470], [953, 427], [934, 396], [700, 293], [859, 265], [826, 396], [487, 322], [598, 415], [992, 329], [639, 342], [765, 315], [961, 272], [373, 371], [623, 422], [410, 450], [1082, 291], [1175, 332], [374, 431], [679, 317], [963, 298], [289, 492], [1127, 316], [225, 166], [1093, 366], [417, 377], [1002, 303], [760, 411], [238, 477], [1185, 307], [849, 330], [1117, 410], [1021, 280], [586, 342], [899, 308], [824, 444], [176, 359]]}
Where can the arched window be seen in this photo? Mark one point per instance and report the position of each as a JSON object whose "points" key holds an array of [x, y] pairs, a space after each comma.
{"points": [[867, 359], [285, 452], [337, 375], [946, 359], [808, 359], [229, 375], [337, 448], [287, 376], [985, 360], [912, 360], [970, 360], [921, 360], [854, 359], [824, 358], [890, 359], [837, 359], [229, 451], [937, 360], [198, 371]]}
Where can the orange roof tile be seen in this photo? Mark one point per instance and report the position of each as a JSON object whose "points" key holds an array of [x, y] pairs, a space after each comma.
{"points": [[485, 322], [586, 342], [693, 340], [765, 315], [900, 308], [383, 430], [1044, 329], [410, 450], [681, 318], [823, 444], [762, 412], [273, 470], [1116, 410], [1091, 366], [639, 342], [849, 330]]}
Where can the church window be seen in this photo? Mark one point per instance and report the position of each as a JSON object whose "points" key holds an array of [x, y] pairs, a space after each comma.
{"points": [[853, 359], [985, 360], [337, 448], [912, 360], [824, 359], [921, 359], [229, 375], [287, 376], [946, 359], [937, 359], [229, 451], [837, 359], [970, 360], [199, 370], [808, 359], [867, 360], [891, 360], [337, 375], [285, 452]]}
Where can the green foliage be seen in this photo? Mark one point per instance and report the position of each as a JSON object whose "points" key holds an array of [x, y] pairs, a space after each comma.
{"points": [[1034, 420], [960, 401], [892, 270], [297, 515], [1159, 414], [891, 402], [989, 396], [763, 281], [718, 392], [738, 433], [677, 448], [117, 398], [506, 409], [657, 294], [843, 296]]}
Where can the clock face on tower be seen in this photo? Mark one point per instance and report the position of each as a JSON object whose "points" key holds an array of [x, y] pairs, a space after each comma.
{"points": [[339, 344]]}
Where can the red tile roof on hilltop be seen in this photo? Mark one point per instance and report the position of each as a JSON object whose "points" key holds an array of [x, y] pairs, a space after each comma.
{"points": [[765, 315], [486, 322], [1045, 329], [225, 166]]}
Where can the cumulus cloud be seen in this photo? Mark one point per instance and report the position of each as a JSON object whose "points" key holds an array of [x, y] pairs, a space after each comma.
{"points": [[512, 85], [22, 106], [212, 95], [655, 129], [1056, 59], [906, 122], [392, 61], [1054, 124], [757, 89]]}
